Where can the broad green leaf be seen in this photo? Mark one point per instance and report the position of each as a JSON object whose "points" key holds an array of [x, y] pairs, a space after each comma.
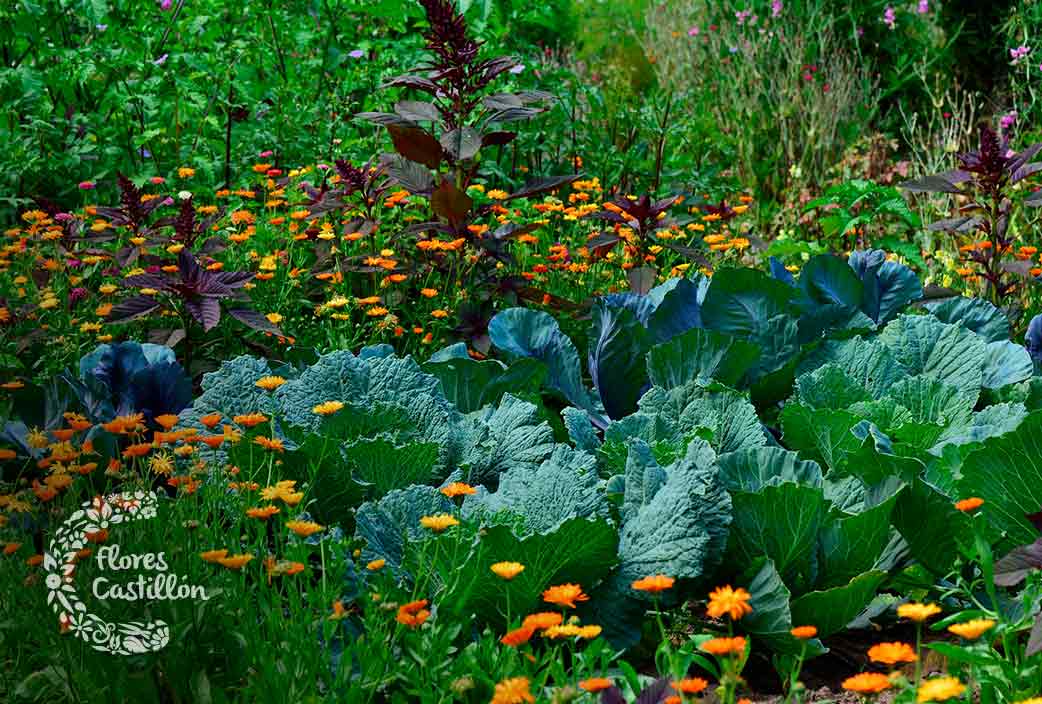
{"points": [[383, 466], [930, 524], [771, 619], [975, 314], [822, 435], [850, 545], [618, 344], [781, 523], [390, 525], [829, 386], [700, 354], [951, 353], [752, 469], [830, 610], [1006, 363], [1007, 473], [741, 301]]}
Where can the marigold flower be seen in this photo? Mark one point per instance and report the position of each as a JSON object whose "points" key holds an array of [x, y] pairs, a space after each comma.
{"points": [[438, 523], [250, 419], [263, 513], [804, 632], [327, 408], [589, 632], [272, 444], [939, 689], [918, 612], [137, 450], [270, 383], [513, 690], [210, 420], [892, 653], [691, 685], [969, 505], [565, 595], [565, 630], [213, 555], [375, 565], [518, 636], [542, 620], [304, 528], [724, 646], [655, 583], [413, 614], [235, 562], [733, 602], [458, 489], [867, 683], [339, 612], [167, 420], [507, 570], [595, 684], [161, 464], [973, 629]]}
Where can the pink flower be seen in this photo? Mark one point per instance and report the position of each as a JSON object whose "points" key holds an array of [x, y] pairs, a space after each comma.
{"points": [[1019, 53], [1008, 120], [156, 180], [924, 7], [889, 17], [165, 5], [693, 32], [86, 185], [266, 153], [776, 8]]}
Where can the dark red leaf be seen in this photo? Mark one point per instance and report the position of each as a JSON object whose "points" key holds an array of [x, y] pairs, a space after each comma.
{"points": [[544, 185], [450, 202], [255, 320], [641, 279], [132, 308], [1012, 569], [206, 311], [416, 145]]}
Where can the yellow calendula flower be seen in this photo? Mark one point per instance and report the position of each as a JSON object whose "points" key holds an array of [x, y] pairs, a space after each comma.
{"points": [[939, 689], [327, 408], [270, 383], [439, 523], [972, 630], [507, 570], [918, 612], [304, 528]]}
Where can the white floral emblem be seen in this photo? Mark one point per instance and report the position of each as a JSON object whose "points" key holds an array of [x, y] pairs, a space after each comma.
{"points": [[97, 515]]}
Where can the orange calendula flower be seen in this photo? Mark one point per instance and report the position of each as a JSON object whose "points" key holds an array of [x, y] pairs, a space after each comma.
{"points": [[892, 653], [339, 612], [969, 505], [263, 513], [724, 646], [918, 612], [733, 602], [34, 561], [565, 595], [213, 555], [269, 383], [507, 570], [413, 614], [972, 630], [653, 584], [589, 632], [7, 454], [565, 630], [439, 523], [513, 690], [458, 489], [304, 528], [542, 620], [595, 684], [375, 565], [137, 450], [939, 689], [11, 548], [167, 420], [327, 408], [691, 685], [210, 420], [867, 683], [518, 636], [250, 419], [272, 444], [804, 632], [235, 562]]}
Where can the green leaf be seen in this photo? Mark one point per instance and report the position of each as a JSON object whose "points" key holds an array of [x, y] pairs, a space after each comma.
{"points": [[700, 354], [931, 525], [771, 619], [822, 435], [512, 436], [741, 301], [869, 363], [1007, 473], [752, 469], [781, 523], [579, 550], [829, 386], [384, 467], [975, 314], [830, 610], [618, 344], [827, 279], [392, 524], [850, 545], [1006, 363], [949, 353]]}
